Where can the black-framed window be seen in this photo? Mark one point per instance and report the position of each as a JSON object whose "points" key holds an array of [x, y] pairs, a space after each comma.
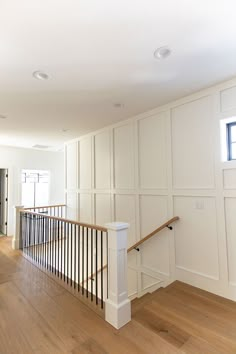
{"points": [[231, 140]]}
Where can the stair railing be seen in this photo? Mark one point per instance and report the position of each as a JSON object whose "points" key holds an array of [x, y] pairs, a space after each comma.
{"points": [[139, 243], [52, 210], [163, 226], [89, 260], [70, 251]]}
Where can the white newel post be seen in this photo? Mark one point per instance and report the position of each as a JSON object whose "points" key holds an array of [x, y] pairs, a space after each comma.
{"points": [[16, 236], [117, 305]]}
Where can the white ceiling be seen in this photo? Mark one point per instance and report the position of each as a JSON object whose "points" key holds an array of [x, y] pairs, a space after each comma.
{"points": [[100, 52]]}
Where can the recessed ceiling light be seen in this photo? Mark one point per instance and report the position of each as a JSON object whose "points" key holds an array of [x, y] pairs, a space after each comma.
{"points": [[162, 52], [2, 116], [39, 75], [118, 105], [37, 146]]}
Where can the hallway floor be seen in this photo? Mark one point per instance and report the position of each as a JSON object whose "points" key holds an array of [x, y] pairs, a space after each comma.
{"points": [[39, 316]]}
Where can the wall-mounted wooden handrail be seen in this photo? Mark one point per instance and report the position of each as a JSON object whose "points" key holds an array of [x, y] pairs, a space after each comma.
{"points": [[89, 226], [166, 224], [46, 206]]}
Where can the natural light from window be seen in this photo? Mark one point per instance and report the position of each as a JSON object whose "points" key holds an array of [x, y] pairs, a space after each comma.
{"points": [[35, 188]]}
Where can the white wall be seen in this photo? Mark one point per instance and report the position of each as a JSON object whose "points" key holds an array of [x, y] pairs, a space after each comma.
{"points": [[163, 163], [16, 159]]}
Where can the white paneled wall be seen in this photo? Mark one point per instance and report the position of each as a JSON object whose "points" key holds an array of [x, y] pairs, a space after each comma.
{"points": [[192, 145], [124, 157], [148, 169], [102, 160], [152, 152], [125, 211]]}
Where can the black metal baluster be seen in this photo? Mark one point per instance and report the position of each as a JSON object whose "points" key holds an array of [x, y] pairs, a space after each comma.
{"points": [[21, 231], [39, 239], [60, 233], [53, 255], [47, 247], [35, 243], [26, 232], [34, 238], [55, 247], [67, 256], [82, 260], [87, 262], [64, 251], [102, 269], [20, 236], [44, 242], [27, 239], [71, 253], [75, 267], [79, 258], [50, 245], [107, 260], [38, 250], [96, 240], [30, 226], [91, 276], [58, 266], [41, 243]]}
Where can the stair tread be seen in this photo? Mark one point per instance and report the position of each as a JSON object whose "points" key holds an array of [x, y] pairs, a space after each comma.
{"points": [[139, 303]]}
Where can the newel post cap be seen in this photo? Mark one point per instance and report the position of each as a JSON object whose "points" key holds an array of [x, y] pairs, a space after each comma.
{"points": [[17, 207], [117, 226]]}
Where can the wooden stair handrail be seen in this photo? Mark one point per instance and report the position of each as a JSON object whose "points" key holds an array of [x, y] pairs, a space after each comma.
{"points": [[46, 206], [166, 224], [74, 222]]}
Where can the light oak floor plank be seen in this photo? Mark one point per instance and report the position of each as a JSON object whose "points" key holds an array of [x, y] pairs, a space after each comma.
{"points": [[38, 316]]}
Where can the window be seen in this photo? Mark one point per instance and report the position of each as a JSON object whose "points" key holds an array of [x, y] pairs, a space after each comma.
{"points": [[35, 188], [228, 139], [231, 140]]}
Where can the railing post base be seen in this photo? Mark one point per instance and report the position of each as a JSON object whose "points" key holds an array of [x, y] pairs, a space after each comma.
{"points": [[117, 305], [118, 315], [16, 242]]}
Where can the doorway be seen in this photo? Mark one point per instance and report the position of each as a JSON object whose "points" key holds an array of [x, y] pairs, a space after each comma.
{"points": [[3, 201], [35, 188]]}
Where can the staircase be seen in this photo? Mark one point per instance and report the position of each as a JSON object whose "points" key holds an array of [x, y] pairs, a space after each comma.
{"points": [[187, 320], [139, 302]]}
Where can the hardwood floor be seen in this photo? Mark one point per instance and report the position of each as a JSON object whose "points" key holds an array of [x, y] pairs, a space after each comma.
{"points": [[38, 316]]}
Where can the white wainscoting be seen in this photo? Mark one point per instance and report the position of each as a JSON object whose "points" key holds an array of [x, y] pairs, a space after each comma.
{"points": [[85, 163], [124, 157], [159, 164], [230, 210], [102, 160], [197, 232], [152, 152], [192, 145]]}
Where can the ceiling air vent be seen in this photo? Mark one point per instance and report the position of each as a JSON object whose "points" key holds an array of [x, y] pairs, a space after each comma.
{"points": [[41, 147]]}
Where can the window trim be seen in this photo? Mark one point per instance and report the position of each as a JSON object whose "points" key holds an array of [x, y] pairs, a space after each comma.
{"points": [[229, 140]]}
